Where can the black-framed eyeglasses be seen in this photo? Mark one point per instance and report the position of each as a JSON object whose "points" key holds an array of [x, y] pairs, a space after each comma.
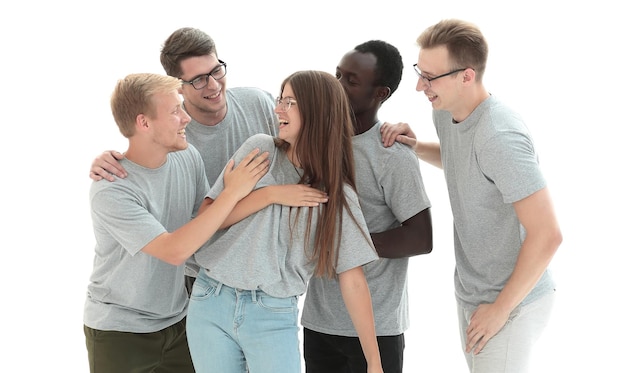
{"points": [[428, 81], [203, 80], [284, 104]]}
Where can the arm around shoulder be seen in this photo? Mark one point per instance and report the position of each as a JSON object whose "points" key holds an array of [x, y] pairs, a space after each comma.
{"points": [[176, 247], [107, 165], [429, 152]]}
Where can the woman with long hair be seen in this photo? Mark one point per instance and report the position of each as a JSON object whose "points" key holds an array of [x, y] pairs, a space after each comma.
{"points": [[243, 311]]}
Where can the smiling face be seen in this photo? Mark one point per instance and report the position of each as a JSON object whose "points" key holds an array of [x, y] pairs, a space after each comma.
{"points": [[289, 118], [206, 105], [168, 122], [443, 93]]}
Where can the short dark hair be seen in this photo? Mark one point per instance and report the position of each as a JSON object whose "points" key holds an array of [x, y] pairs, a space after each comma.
{"points": [[388, 62], [184, 43]]}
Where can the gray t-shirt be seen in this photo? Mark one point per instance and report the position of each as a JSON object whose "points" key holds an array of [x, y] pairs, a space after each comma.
{"points": [[129, 290], [489, 161], [265, 251], [250, 111], [390, 191]]}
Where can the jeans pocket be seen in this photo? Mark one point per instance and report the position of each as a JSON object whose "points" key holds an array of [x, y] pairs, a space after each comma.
{"points": [[277, 305], [202, 289]]}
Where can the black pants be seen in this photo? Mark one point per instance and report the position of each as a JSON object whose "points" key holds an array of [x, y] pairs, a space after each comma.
{"points": [[325, 353], [189, 280]]}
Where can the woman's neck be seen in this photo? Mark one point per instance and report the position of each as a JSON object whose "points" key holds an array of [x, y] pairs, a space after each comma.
{"points": [[293, 157]]}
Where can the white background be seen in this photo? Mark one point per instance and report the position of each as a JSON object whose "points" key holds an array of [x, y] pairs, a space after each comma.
{"points": [[558, 65]]}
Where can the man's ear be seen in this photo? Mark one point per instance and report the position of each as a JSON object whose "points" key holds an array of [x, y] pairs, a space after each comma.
{"points": [[469, 75], [383, 93], [141, 122]]}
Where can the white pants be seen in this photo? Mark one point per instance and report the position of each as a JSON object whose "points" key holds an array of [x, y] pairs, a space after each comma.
{"points": [[509, 351]]}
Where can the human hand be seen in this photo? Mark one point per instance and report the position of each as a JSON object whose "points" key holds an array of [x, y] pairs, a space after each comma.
{"points": [[485, 322], [376, 369], [298, 195], [242, 179], [410, 141], [106, 165], [391, 133]]}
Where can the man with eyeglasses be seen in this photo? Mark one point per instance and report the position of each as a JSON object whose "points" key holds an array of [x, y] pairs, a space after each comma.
{"points": [[221, 119], [505, 227], [397, 213]]}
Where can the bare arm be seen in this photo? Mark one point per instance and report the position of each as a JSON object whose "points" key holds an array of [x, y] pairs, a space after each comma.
{"points": [[429, 152], [176, 247], [296, 195], [106, 165], [543, 237], [357, 297], [413, 237]]}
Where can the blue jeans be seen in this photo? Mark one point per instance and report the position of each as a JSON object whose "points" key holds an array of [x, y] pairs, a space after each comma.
{"points": [[509, 351], [230, 329]]}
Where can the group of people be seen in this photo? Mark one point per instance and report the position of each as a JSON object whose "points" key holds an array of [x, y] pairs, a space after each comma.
{"points": [[228, 205]]}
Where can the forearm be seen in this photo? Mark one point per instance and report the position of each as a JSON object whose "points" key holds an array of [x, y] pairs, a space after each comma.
{"points": [[399, 243], [543, 237], [253, 202], [293, 195], [429, 152], [413, 237], [357, 298], [533, 260], [176, 247]]}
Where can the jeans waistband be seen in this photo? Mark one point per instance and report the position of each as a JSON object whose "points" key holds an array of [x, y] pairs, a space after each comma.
{"points": [[219, 286]]}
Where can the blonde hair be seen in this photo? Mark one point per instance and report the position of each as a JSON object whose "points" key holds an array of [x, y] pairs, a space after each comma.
{"points": [[466, 45], [133, 96]]}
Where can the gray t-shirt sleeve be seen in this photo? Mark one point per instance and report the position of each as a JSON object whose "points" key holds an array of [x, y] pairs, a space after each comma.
{"points": [[388, 180], [117, 211], [508, 160], [264, 143], [356, 247]]}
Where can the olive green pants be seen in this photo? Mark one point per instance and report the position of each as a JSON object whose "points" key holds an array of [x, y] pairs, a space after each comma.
{"points": [[158, 352]]}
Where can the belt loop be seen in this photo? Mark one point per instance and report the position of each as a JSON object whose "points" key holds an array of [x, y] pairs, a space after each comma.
{"points": [[253, 293], [217, 289]]}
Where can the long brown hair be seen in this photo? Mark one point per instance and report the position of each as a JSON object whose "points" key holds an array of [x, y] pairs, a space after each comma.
{"points": [[324, 149]]}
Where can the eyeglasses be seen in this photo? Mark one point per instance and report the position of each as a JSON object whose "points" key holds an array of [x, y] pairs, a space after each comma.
{"points": [[203, 80], [284, 104], [428, 81]]}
